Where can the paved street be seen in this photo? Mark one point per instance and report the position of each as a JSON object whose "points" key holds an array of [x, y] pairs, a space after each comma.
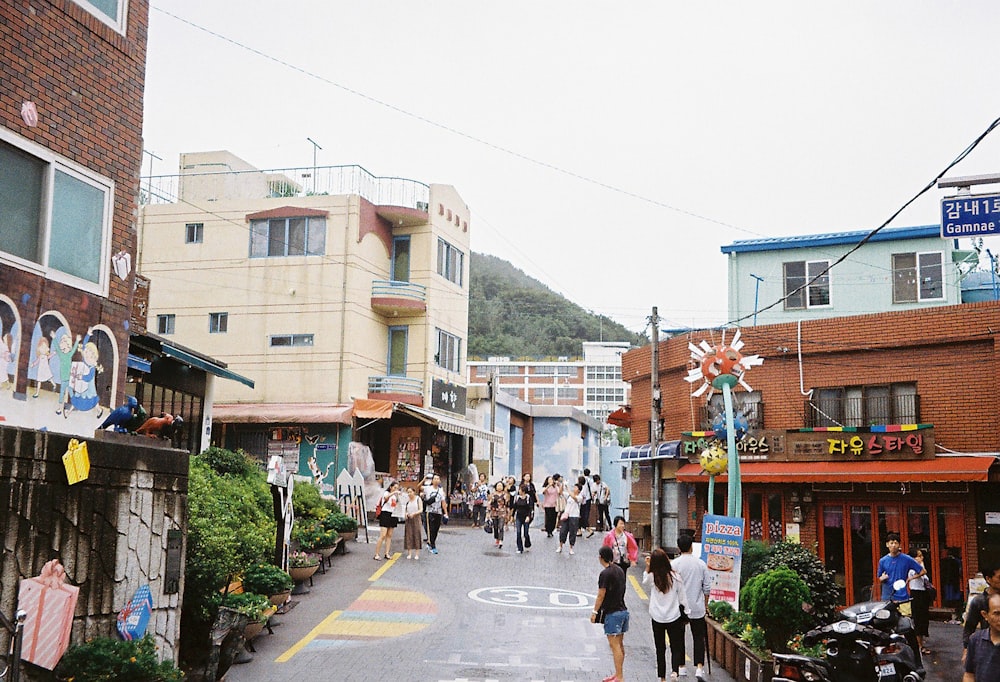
{"points": [[471, 613]]}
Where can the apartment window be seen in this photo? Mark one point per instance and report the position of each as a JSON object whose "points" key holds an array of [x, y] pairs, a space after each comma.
{"points": [[276, 237], [396, 363], [875, 405], [600, 394], [111, 12], [746, 403], [604, 373], [194, 233], [165, 324], [400, 259], [799, 296], [448, 350], [917, 277], [450, 262], [218, 323], [291, 340], [544, 393], [566, 371], [54, 215], [568, 393]]}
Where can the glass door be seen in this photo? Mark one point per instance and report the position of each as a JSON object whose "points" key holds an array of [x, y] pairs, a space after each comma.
{"points": [[833, 547], [862, 553]]}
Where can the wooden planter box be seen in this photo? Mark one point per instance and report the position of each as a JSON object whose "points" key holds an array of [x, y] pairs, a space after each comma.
{"points": [[735, 656]]}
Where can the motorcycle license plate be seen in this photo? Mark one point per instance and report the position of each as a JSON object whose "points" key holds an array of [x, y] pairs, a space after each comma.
{"points": [[886, 669], [864, 617]]}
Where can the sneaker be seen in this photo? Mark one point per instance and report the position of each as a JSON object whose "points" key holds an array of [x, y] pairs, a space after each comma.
{"points": [[673, 677], [434, 550], [571, 550], [520, 551], [558, 550], [682, 671], [699, 673]]}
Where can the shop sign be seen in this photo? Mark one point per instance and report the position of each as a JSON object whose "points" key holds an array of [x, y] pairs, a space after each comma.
{"points": [[722, 552], [448, 397], [869, 444], [750, 448]]}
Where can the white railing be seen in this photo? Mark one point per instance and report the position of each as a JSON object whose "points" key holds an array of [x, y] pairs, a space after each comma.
{"points": [[394, 289], [387, 384]]}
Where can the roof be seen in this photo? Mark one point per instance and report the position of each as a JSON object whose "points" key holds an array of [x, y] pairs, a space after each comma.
{"points": [[163, 346], [939, 469], [281, 413], [831, 239]]}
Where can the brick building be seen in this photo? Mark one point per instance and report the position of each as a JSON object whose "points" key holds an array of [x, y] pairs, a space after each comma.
{"points": [[857, 426]]}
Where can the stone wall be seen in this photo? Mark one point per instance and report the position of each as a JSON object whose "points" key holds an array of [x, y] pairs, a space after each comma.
{"points": [[109, 531]]}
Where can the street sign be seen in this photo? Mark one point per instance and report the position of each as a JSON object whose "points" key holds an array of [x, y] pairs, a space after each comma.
{"points": [[970, 216]]}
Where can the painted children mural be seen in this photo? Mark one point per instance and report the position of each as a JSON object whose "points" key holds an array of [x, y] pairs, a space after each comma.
{"points": [[40, 365], [10, 338], [65, 349]]}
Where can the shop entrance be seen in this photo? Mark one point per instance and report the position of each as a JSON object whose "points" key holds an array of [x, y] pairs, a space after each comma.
{"points": [[853, 537]]}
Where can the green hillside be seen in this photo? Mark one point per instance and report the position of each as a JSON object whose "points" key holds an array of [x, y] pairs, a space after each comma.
{"points": [[512, 314]]}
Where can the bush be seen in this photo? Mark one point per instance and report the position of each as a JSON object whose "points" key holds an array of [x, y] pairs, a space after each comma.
{"points": [[266, 579], [822, 584], [775, 600], [230, 463], [310, 534], [107, 658], [720, 610], [341, 523], [307, 502], [250, 604], [754, 561]]}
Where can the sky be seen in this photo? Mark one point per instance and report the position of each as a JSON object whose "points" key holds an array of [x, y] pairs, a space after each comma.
{"points": [[607, 149]]}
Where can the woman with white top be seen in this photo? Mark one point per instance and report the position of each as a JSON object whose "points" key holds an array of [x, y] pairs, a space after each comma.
{"points": [[387, 520], [666, 597], [570, 518], [413, 507]]}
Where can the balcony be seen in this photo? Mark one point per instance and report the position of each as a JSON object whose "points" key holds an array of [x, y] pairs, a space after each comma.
{"points": [[869, 411], [398, 389], [752, 411], [398, 299]]}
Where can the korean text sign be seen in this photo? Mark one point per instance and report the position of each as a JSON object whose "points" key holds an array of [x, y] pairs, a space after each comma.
{"points": [[722, 551]]}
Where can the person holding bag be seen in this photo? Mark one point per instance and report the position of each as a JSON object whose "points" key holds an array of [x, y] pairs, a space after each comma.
{"points": [[570, 519], [667, 606], [622, 544]]}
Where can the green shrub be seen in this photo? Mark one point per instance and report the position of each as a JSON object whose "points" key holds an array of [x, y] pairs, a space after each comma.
{"points": [[107, 658], [720, 610], [307, 502], [250, 604], [775, 601], [266, 579], [311, 534], [754, 560], [737, 623], [822, 584], [230, 463]]}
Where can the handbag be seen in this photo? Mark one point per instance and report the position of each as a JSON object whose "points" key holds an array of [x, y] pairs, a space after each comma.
{"points": [[488, 526], [684, 616], [565, 516], [930, 589]]}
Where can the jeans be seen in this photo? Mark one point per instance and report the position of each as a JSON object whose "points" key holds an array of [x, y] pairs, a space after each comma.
{"points": [[498, 524], [433, 526], [568, 529], [675, 631], [522, 524], [478, 514]]}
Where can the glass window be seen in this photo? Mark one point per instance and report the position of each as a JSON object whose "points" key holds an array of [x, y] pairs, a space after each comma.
{"points": [[110, 12], [797, 274], [598, 394], [396, 365], [165, 324], [544, 393], [65, 230], [280, 340], [917, 277], [568, 393], [218, 323], [604, 373], [400, 259], [278, 237], [194, 233], [449, 351], [450, 262]]}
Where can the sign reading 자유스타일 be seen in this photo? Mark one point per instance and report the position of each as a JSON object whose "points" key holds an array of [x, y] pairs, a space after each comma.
{"points": [[970, 216]]}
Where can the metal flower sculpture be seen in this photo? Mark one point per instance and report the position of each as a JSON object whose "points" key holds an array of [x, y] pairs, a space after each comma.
{"points": [[722, 368]]}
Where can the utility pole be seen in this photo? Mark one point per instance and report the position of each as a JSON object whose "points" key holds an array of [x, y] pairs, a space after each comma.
{"points": [[654, 430], [493, 420]]}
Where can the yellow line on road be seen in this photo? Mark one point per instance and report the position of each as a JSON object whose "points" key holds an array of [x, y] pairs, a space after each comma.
{"points": [[385, 567], [295, 648], [638, 588]]}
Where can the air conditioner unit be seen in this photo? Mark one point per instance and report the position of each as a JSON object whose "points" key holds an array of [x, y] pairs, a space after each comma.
{"points": [[423, 206]]}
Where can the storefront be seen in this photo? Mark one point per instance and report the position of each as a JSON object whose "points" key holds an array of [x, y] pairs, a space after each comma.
{"points": [[843, 490]]}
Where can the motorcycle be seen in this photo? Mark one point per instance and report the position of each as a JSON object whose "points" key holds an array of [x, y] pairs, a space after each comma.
{"points": [[870, 642]]}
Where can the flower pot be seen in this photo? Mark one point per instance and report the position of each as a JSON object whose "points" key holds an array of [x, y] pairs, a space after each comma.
{"points": [[325, 552], [302, 573], [253, 628], [279, 598]]}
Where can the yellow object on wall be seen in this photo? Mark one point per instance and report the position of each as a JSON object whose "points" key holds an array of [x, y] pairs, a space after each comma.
{"points": [[77, 461]]}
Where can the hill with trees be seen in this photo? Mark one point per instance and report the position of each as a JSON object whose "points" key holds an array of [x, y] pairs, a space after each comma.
{"points": [[514, 315]]}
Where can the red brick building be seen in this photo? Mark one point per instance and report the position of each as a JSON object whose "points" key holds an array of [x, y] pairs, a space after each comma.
{"points": [[71, 87], [858, 426]]}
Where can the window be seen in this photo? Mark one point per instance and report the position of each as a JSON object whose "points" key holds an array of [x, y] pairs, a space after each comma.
{"points": [[853, 406], [111, 12], [797, 295], [448, 350], [400, 259], [288, 237], [396, 364], [165, 324], [54, 216], [605, 395], [566, 371], [568, 393], [194, 233], [745, 403], [604, 373], [218, 323], [544, 393], [917, 277], [450, 262], [297, 340]]}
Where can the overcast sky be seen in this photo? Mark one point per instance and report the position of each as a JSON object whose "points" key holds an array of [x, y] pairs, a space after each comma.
{"points": [[606, 148]]}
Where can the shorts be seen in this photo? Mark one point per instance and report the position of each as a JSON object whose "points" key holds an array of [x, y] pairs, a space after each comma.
{"points": [[387, 520], [616, 623]]}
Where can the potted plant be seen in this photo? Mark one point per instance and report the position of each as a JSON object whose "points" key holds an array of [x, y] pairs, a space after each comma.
{"points": [[270, 580], [314, 536], [109, 658], [256, 607], [302, 565], [344, 524]]}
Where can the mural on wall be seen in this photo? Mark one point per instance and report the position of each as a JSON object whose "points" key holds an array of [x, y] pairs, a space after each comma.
{"points": [[67, 378], [558, 448]]}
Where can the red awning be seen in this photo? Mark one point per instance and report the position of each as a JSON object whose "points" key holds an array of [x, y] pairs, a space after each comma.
{"points": [[281, 413], [939, 469], [365, 408], [621, 417]]}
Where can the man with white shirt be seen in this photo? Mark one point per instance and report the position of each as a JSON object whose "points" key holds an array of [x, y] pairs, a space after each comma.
{"points": [[696, 582]]}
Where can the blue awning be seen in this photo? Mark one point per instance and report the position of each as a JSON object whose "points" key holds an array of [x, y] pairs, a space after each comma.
{"points": [[201, 363], [669, 450], [138, 364]]}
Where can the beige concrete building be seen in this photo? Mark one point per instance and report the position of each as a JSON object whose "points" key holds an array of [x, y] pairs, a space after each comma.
{"points": [[322, 285]]}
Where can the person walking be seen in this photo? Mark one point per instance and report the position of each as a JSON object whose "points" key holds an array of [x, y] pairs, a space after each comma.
{"points": [[894, 567], [696, 582], [387, 520], [436, 510], [611, 600], [978, 604], [479, 496], [532, 493], [983, 662], [920, 600], [570, 518], [550, 493], [523, 511], [622, 544], [586, 503], [602, 498], [563, 486], [666, 599], [499, 511], [413, 508]]}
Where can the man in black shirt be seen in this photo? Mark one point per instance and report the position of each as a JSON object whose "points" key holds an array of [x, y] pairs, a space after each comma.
{"points": [[977, 604], [983, 662], [611, 600]]}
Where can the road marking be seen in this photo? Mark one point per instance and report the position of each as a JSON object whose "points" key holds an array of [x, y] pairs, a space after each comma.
{"points": [[533, 597], [385, 567], [295, 648]]}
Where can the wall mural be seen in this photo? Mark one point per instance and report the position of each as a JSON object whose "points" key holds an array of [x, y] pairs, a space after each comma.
{"points": [[71, 373]]}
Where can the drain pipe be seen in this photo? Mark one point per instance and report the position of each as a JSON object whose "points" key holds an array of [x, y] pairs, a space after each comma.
{"points": [[802, 388]]}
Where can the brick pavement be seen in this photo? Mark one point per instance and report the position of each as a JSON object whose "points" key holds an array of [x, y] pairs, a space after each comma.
{"points": [[471, 613]]}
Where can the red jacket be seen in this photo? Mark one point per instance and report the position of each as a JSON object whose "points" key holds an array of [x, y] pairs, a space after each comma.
{"points": [[631, 546]]}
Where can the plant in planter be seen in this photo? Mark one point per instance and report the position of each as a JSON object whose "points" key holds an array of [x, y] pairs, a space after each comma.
{"points": [[108, 658], [776, 601], [302, 560], [253, 606], [266, 579], [340, 522], [313, 535], [307, 502]]}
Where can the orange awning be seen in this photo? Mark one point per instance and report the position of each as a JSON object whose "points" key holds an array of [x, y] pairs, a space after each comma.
{"points": [[621, 417], [281, 413], [365, 408], [939, 469]]}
